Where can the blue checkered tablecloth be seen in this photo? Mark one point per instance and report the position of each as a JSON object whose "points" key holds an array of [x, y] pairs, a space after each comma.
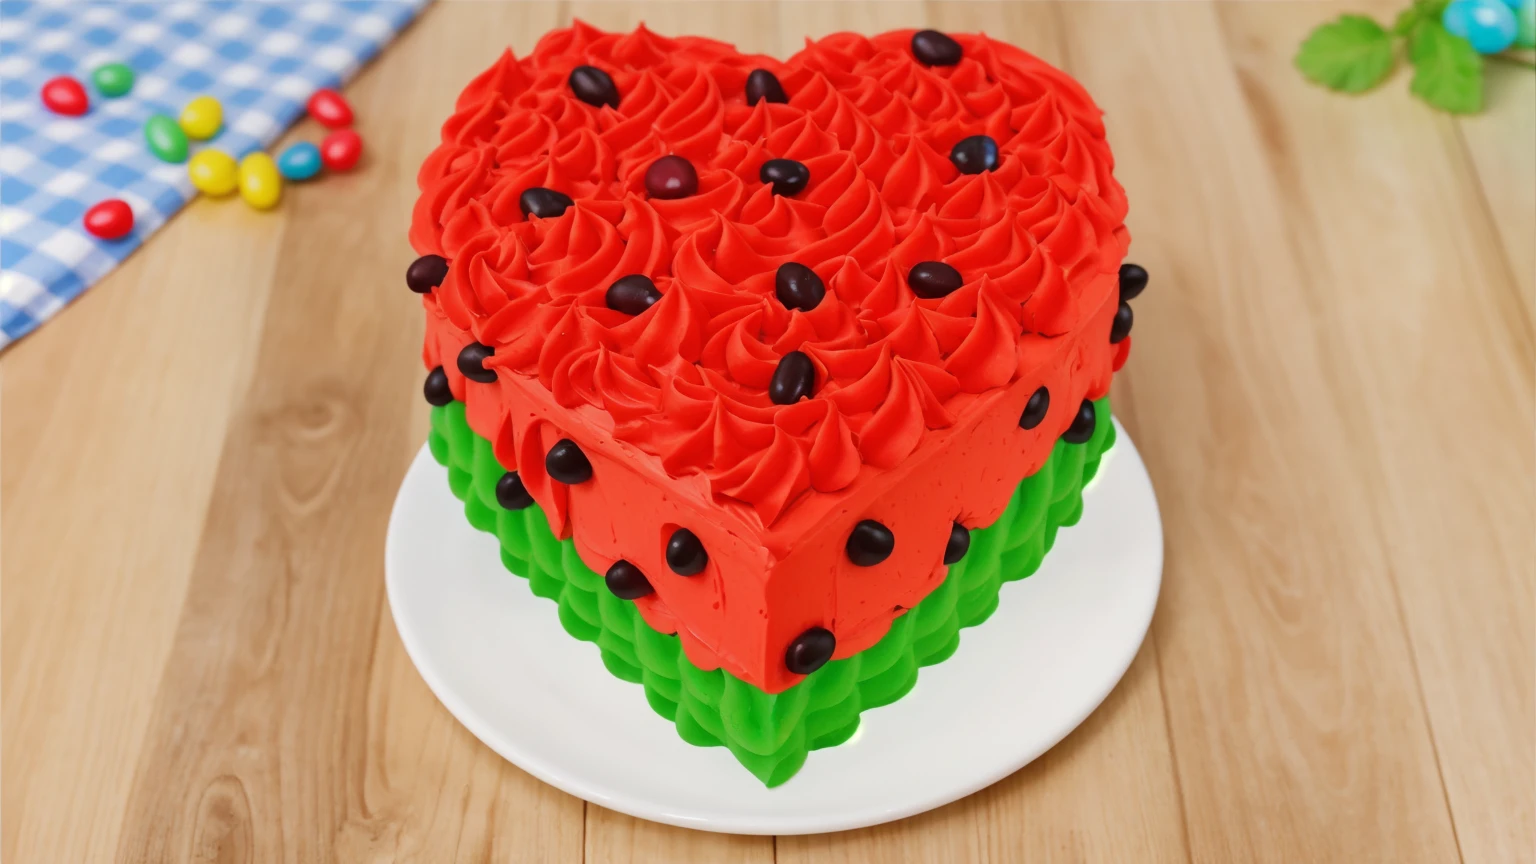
{"points": [[262, 60]]}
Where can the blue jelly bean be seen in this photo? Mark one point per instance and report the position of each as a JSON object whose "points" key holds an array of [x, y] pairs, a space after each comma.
{"points": [[1488, 24], [299, 161]]}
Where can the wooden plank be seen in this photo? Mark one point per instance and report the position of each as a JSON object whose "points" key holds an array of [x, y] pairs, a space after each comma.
{"points": [[613, 838], [1298, 727], [289, 724], [1500, 142], [1426, 337], [113, 418]]}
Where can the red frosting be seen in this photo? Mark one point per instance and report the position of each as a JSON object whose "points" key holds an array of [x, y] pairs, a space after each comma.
{"points": [[679, 394]]}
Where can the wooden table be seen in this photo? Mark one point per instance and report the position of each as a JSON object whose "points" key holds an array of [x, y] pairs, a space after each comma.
{"points": [[1332, 387]]}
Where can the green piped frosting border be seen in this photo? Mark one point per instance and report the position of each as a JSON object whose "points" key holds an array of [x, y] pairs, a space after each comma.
{"points": [[771, 734]]}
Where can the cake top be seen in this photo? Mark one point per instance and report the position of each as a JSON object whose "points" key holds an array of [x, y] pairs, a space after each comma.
{"points": [[770, 273]]}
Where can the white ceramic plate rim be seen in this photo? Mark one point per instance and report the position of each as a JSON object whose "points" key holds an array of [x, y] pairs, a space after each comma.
{"points": [[1085, 613]]}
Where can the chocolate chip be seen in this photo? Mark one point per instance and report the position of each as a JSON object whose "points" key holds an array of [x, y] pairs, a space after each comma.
{"points": [[472, 363], [794, 377], [1121, 326], [426, 273], [626, 581], [1035, 409], [565, 462], [436, 388], [787, 176], [593, 86], [1133, 280], [959, 543], [632, 294], [1082, 425], [931, 280], [932, 48], [511, 494], [762, 84], [798, 287], [975, 154], [685, 553], [869, 543], [810, 651], [543, 203], [671, 177]]}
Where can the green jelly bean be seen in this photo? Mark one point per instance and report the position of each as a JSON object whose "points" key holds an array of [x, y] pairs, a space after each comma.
{"points": [[113, 79], [165, 138]]}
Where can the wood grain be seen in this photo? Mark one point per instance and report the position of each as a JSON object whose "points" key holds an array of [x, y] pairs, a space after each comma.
{"points": [[1332, 387]]}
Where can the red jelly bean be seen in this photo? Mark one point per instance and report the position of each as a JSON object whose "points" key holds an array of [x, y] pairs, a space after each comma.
{"points": [[65, 95], [109, 219], [327, 107], [341, 150]]}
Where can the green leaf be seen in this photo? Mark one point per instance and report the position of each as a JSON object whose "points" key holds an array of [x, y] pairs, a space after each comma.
{"points": [[1447, 71], [1352, 54]]}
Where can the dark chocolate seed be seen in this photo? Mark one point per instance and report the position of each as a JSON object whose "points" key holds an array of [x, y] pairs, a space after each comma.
{"points": [[593, 86], [794, 377], [975, 154], [426, 273], [1133, 280], [1121, 326], [671, 177], [932, 48], [632, 294], [931, 280], [511, 494], [798, 287], [1082, 425], [543, 203], [869, 543], [472, 363], [1035, 409], [685, 553], [959, 543], [436, 388], [810, 651], [787, 176], [626, 581], [566, 463], [762, 84]]}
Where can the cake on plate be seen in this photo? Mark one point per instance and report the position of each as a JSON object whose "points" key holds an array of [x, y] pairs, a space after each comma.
{"points": [[771, 373]]}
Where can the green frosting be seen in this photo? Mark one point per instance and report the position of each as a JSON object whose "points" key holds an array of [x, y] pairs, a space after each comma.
{"points": [[771, 734]]}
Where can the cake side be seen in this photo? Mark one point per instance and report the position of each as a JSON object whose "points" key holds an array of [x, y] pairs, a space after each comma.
{"points": [[771, 734], [964, 474]]}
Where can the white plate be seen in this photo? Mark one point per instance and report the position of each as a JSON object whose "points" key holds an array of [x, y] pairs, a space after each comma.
{"points": [[498, 658]]}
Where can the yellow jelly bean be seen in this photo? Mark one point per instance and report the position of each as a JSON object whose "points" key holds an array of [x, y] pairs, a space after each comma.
{"points": [[260, 184], [213, 172], [202, 118]]}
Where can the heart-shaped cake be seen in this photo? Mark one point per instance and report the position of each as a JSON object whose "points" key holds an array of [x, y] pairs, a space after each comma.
{"points": [[771, 344]]}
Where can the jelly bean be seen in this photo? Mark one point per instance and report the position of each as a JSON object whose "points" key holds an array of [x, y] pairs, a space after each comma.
{"points": [[299, 161], [327, 107], [165, 138], [202, 118], [213, 172], [1525, 36], [260, 184], [1488, 24], [113, 79], [64, 95], [109, 219], [341, 150]]}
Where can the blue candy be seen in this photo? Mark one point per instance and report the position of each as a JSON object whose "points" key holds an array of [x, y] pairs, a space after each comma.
{"points": [[1488, 24], [299, 161]]}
